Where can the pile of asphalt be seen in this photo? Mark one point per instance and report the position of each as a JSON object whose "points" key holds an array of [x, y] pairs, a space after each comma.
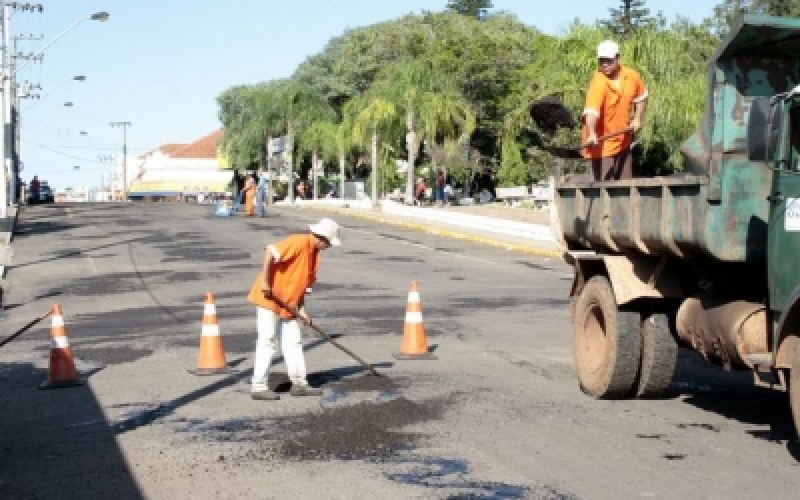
{"points": [[370, 429], [354, 428], [362, 431]]}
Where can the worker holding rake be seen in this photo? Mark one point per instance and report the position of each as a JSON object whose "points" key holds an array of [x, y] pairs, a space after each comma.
{"points": [[289, 269]]}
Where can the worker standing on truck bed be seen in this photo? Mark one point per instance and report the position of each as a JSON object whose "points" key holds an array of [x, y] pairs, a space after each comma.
{"points": [[613, 90]]}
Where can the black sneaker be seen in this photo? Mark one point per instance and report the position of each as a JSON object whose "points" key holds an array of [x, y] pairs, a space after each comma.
{"points": [[265, 395], [304, 390]]}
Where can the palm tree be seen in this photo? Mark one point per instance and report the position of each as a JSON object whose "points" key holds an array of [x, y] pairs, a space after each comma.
{"points": [[429, 101], [300, 105], [321, 140], [370, 114], [345, 141]]}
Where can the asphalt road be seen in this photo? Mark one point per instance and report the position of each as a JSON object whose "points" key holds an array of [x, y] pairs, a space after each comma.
{"points": [[497, 415]]}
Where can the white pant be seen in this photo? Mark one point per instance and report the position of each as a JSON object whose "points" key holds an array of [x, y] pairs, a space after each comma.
{"points": [[271, 330]]}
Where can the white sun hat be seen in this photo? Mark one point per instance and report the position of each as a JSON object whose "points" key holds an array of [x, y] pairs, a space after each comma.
{"points": [[607, 49], [328, 229]]}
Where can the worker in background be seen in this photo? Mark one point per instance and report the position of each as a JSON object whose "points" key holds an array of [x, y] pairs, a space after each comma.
{"points": [[250, 195]]}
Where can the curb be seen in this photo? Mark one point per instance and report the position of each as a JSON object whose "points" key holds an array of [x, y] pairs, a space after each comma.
{"points": [[516, 247]]}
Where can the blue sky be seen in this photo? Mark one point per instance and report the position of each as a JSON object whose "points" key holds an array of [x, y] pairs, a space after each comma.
{"points": [[160, 64]]}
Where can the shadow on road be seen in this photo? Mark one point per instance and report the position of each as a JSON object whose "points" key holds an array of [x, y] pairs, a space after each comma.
{"points": [[57, 443], [734, 396]]}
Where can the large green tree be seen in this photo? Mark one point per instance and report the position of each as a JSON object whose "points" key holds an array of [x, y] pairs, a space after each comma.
{"points": [[471, 8]]}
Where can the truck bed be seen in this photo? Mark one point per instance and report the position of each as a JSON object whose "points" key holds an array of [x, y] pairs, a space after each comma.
{"points": [[666, 216]]}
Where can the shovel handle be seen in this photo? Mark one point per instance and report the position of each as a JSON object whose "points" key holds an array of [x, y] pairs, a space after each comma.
{"points": [[25, 328], [325, 336], [609, 136]]}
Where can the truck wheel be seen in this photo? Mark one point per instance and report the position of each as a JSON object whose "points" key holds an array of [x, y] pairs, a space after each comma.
{"points": [[794, 388], [607, 342], [659, 356]]}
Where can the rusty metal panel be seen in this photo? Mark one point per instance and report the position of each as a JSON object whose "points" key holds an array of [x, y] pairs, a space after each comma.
{"points": [[639, 214], [650, 223], [634, 277]]}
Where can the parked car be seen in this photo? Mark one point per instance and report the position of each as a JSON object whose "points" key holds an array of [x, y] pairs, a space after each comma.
{"points": [[45, 195]]}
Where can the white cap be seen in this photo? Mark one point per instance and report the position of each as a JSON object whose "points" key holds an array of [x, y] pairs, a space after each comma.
{"points": [[607, 49], [328, 229]]}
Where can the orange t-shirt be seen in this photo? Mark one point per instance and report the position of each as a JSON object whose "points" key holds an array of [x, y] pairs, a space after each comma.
{"points": [[294, 270], [612, 102]]}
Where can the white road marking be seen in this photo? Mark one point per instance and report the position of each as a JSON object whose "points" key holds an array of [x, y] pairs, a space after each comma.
{"points": [[426, 247]]}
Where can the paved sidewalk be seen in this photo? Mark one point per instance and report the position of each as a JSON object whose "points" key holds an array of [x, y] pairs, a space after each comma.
{"points": [[512, 228]]}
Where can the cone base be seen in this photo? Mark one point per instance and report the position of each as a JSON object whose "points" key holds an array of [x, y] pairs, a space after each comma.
{"points": [[424, 355], [50, 384], [210, 371]]}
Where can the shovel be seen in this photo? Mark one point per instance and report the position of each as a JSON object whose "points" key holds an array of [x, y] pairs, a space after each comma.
{"points": [[327, 337], [575, 153]]}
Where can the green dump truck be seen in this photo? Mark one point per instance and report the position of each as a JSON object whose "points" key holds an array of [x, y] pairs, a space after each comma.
{"points": [[708, 258]]}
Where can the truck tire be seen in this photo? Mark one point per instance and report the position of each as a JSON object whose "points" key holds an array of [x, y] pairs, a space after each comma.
{"points": [[659, 356], [794, 388], [607, 343]]}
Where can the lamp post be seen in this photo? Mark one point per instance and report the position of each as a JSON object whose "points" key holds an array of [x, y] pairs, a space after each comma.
{"points": [[76, 78], [124, 126], [7, 74]]}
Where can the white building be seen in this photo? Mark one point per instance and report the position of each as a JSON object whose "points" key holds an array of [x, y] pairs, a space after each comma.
{"points": [[181, 170]]}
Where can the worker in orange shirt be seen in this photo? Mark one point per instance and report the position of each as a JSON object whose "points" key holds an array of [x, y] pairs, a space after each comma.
{"points": [[250, 195], [615, 93], [289, 269]]}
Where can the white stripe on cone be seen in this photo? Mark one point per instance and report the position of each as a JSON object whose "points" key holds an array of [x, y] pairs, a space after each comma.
{"points": [[210, 331], [58, 321], [59, 343], [209, 309], [413, 317], [413, 296]]}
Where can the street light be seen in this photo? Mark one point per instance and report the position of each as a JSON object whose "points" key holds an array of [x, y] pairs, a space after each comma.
{"points": [[7, 75], [76, 78], [97, 16]]}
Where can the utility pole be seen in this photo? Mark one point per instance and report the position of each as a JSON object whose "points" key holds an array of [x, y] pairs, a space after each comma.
{"points": [[124, 126], [4, 98], [10, 105]]}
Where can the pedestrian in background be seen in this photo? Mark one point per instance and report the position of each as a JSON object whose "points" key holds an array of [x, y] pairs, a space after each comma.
{"points": [[439, 188], [35, 186], [289, 269], [250, 195], [419, 190], [613, 91]]}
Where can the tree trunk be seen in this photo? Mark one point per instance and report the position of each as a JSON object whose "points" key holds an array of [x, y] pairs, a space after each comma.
{"points": [[411, 141], [269, 172], [341, 174], [374, 167], [314, 167], [290, 159]]}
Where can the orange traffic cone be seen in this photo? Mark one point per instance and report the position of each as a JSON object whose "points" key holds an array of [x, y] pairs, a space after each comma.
{"points": [[62, 372], [414, 345], [211, 360]]}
